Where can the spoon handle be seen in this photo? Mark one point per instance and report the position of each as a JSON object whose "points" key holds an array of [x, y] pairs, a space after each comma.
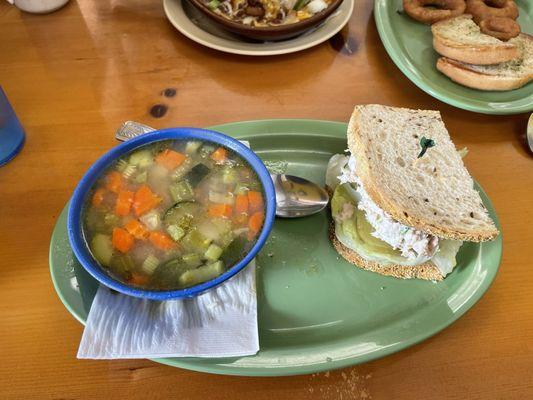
{"points": [[130, 129]]}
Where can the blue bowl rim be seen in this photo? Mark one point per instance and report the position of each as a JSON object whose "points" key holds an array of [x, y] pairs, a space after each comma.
{"points": [[74, 225]]}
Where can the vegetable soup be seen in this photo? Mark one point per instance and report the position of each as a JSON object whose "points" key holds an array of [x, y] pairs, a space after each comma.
{"points": [[174, 214]]}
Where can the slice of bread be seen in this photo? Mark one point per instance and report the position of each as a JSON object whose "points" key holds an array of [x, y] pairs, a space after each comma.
{"points": [[461, 39], [427, 271], [433, 193], [505, 76]]}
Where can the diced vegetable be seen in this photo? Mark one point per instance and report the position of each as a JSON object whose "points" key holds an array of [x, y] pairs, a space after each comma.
{"points": [[124, 202], [175, 232], [220, 210], [111, 220], [197, 174], [122, 240], [241, 204], [145, 200], [170, 159], [255, 201], [213, 252], [229, 176], [151, 220], [219, 155], [129, 171], [201, 274], [166, 275], [241, 188], [121, 264], [193, 260], [138, 279], [141, 177], [102, 248], [150, 264], [98, 197], [194, 241], [161, 240], [192, 146], [114, 181], [181, 214], [234, 251], [142, 158], [255, 223], [121, 165], [223, 198], [183, 169], [136, 229], [213, 4], [181, 191]]}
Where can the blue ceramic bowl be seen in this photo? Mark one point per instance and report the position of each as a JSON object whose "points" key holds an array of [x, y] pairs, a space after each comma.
{"points": [[75, 212]]}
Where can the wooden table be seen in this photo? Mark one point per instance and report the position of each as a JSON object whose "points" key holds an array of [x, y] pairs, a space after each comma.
{"points": [[73, 76]]}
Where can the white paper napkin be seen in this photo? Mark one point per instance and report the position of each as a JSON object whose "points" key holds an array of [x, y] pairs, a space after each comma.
{"points": [[220, 323]]}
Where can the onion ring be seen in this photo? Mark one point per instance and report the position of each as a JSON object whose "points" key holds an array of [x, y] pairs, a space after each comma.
{"points": [[483, 9], [500, 28], [431, 11]]}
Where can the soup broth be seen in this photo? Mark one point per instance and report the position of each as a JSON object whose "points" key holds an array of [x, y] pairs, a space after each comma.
{"points": [[174, 214]]}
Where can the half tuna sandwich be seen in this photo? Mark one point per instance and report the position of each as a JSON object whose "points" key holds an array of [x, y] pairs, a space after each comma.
{"points": [[402, 200]]}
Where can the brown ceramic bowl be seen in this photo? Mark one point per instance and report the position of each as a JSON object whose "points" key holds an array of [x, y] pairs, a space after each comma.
{"points": [[269, 33]]}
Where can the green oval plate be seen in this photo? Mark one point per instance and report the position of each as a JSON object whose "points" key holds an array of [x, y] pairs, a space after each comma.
{"points": [[409, 44], [316, 311]]}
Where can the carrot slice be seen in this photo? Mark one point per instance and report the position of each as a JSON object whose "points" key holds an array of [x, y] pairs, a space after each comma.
{"points": [[138, 279], [241, 204], [114, 181], [124, 202], [161, 240], [170, 159], [219, 155], [255, 201], [144, 200], [220, 210], [136, 229], [98, 197], [255, 223], [122, 240]]}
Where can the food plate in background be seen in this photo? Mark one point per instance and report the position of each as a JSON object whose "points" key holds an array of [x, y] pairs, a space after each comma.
{"points": [[409, 44], [199, 28], [316, 311]]}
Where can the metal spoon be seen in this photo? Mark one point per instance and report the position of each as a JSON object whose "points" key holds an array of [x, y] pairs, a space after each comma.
{"points": [[530, 133], [295, 196]]}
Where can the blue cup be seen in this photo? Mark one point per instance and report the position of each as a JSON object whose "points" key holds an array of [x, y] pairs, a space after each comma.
{"points": [[11, 131]]}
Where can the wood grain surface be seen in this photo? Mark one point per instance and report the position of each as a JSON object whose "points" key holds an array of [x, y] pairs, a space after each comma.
{"points": [[74, 75]]}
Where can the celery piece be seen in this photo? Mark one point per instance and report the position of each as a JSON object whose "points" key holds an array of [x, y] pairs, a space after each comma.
{"points": [[201, 274], [192, 147], [195, 241], [102, 248], [150, 264], [151, 220], [241, 188], [142, 158], [192, 260], [229, 175], [181, 191], [213, 252], [175, 232], [121, 264], [111, 220], [141, 178], [213, 4]]}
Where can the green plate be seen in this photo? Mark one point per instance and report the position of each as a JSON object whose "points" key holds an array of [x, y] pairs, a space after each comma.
{"points": [[409, 44], [316, 311]]}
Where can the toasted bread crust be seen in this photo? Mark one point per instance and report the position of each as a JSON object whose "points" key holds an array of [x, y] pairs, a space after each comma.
{"points": [[481, 54], [461, 74], [357, 147]]}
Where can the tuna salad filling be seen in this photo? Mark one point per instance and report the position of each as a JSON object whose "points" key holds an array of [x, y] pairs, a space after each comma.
{"points": [[375, 234]]}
